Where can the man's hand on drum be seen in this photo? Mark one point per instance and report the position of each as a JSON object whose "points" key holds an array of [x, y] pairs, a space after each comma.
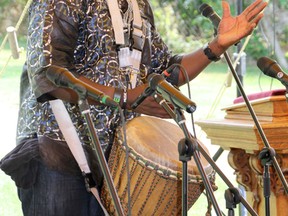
{"points": [[149, 106]]}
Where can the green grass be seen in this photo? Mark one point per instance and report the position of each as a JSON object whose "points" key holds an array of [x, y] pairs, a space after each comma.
{"points": [[205, 88], [9, 91]]}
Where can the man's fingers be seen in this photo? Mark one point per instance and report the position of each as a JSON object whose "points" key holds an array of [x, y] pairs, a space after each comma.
{"points": [[226, 9]]}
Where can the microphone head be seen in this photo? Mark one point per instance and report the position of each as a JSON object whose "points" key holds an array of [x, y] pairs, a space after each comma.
{"points": [[269, 67], [52, 74], [206, 10], [154, 79], [59, 76]]}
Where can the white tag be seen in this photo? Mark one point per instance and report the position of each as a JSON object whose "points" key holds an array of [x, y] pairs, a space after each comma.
{"points": [[124, 57], [136, 58], [133, 78], [130, 59]]}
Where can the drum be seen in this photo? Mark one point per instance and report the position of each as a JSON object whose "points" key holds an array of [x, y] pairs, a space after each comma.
{"points": [[155, 169]]}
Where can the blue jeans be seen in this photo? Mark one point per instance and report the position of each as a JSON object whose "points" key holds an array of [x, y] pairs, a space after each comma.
{"points": [[58, 194]]}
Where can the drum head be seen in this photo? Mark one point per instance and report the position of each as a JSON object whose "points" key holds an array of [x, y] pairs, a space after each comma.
{"points": [[157, 140]]}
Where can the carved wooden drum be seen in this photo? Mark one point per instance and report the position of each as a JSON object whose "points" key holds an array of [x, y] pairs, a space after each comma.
{"points": [[155, 169]]}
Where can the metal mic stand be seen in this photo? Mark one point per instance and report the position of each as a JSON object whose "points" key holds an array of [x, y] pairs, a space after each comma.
{"points": [[266, 158], [267, 155], [257, 124], [208, 158], [186, 148], [232, 197], [85, 110]]}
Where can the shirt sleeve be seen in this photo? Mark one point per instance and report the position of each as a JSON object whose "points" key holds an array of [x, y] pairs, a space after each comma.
{"points": [[52, 37]]}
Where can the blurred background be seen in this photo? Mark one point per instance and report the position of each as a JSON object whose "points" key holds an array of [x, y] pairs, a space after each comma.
{"points": [[184, 29]]}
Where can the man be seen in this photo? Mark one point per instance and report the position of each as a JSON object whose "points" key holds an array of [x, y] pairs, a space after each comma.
{"points": [[81, 37]]}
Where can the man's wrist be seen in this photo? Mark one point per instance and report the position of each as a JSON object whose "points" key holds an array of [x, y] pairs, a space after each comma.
{"points": [[210, 54]]}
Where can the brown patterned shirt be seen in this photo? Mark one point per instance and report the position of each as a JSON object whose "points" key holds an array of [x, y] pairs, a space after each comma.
{"points": [[78, 35]]}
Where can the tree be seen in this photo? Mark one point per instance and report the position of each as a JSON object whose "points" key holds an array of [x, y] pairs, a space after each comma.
{"points": [[183, 28], [276, 30], [10, 11]]}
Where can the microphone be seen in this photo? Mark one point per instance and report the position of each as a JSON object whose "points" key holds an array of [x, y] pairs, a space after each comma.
{"points": [[271, 68], [64, 78], [148, 91], [208, 12], [13, 43], [170, 93]]}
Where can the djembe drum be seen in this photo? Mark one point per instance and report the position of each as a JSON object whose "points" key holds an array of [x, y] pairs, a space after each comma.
{"points": [[155, 169]]}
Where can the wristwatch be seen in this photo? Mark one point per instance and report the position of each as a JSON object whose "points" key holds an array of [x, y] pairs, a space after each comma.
{"points": [[210, 55]]}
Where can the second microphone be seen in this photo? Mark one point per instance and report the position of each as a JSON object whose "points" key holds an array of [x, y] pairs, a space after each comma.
{"points": [[170, 93]]}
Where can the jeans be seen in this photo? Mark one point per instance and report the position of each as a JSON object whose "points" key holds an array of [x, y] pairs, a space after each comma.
{"points": [[58, 194]]}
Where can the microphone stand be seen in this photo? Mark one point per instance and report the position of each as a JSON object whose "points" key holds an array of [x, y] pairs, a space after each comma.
{"points": [[272, 158], [186, 148], [266, 156], [85, 110], [209, 160]]}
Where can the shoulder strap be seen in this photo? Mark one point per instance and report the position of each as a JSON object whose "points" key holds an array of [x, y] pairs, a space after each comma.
{"points": [[69, 132], [117, 20]]}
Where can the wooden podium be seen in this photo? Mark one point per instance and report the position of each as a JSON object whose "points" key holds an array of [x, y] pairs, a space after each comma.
{"points": [[237, 134]]}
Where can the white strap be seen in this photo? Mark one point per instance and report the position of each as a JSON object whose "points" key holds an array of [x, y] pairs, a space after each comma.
{"points": [[67, 128], [137, 22], [69, 132], [117, 21], [95, 192]]}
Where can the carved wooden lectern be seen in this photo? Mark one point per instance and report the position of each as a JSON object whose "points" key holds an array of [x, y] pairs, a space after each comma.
{"points": [[237, 134]]}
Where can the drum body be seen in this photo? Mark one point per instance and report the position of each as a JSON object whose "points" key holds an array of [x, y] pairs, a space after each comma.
{"points": [[155, 169]]}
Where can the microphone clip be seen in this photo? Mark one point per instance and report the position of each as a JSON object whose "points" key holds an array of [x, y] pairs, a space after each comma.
{"points": [[147, 92]]}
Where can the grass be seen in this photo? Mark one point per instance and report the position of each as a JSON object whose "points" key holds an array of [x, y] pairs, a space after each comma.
{"points": [[9, 91], [205, 88]]}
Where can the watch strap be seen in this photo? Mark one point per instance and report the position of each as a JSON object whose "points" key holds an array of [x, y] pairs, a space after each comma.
{"points": [[210, 55]]}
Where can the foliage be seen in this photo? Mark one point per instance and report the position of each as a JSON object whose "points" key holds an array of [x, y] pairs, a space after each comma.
{"points": [[257, 46], [283, 4], [10, 11], [179, 22], [184, 28]]}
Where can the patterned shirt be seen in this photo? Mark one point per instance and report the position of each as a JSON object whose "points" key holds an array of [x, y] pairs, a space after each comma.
{"points": [[78, 35]]}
